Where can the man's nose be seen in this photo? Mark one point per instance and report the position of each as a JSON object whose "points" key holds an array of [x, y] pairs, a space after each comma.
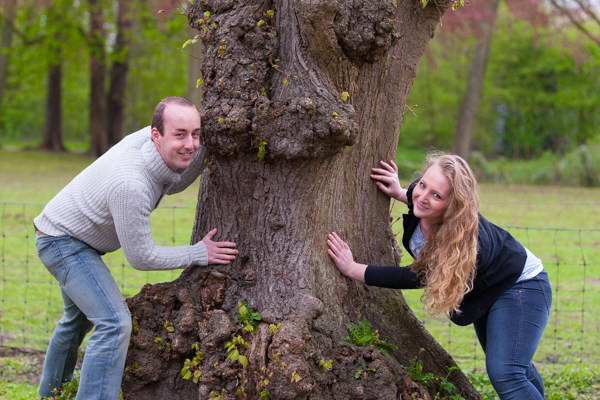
{"points": [[189, 142]]}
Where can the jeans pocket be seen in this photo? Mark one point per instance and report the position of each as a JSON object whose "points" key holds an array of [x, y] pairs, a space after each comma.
{"points": [[52, 260]]}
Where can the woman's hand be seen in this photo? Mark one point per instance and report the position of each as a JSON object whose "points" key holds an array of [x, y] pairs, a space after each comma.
{"points": [[388, 182], [342, 256]]}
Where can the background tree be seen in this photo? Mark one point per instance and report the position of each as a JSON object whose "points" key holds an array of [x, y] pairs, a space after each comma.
{"points": [[300, 101], [6, 34], [469, 106], [118, 75], [582, 14]]}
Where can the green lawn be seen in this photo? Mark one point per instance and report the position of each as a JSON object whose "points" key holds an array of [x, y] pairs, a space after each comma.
{"points": [[559, 224]]}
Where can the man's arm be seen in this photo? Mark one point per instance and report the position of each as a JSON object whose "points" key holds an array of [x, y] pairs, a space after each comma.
{"points": [[130, 210]]}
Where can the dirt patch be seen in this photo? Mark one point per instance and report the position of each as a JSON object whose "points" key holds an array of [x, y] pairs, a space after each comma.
{"points": [[21, 365]]}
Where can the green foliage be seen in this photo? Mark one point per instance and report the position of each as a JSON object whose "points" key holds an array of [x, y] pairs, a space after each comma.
{"points": [[273, 328], [363, 368], [326, 364], [214, 395], [262, 149], [363, 335], [578, 167], [430, 380], [264, 395], [191, 368], [248, 319], [539, 93], [234, 353], [168, 327], [68, 390]]}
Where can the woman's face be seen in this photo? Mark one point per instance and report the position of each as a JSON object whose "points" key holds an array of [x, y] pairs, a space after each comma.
{"points": [[430, 196]]}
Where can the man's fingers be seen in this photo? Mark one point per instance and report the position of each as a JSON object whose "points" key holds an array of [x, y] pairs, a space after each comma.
{"points": [[210, 234], [224, 244]]}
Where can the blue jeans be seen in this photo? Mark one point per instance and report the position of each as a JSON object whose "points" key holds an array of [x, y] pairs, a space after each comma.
{"points": [[91, 298], [509, 334]]}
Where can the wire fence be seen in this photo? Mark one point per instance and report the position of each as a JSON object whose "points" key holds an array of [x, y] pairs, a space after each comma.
{"points": [[30, 303]]}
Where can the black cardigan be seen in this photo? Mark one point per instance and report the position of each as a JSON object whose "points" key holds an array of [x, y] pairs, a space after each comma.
{"points": [[500, 262]]}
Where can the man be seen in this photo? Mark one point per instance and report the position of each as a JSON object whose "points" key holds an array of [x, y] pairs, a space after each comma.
{"points": [[105, 207]]}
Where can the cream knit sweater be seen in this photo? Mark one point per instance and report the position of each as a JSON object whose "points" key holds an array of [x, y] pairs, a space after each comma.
{"points": [[108, 204]]}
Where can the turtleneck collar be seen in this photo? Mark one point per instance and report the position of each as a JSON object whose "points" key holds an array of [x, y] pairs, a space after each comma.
{"points": [[159, 171]]}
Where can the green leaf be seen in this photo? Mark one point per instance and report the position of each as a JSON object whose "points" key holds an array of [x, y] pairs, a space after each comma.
{"points": [[270, 13], [243, 360], [345, 96], [243, 310], [207, 14], [197, 376], [260, 22], [235, 354]]}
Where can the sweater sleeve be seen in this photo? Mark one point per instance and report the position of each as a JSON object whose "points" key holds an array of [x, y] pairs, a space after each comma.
{"points": [[192, 172], [392, 277], [130, 208]]}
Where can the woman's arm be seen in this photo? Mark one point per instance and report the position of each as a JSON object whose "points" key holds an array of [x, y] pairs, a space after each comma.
{"points": [[342, 256], [388, 182], [389, 277]]}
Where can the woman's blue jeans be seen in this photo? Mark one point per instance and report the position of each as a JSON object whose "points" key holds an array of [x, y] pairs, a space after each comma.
{"points": [[91, 298], [509, 334]]}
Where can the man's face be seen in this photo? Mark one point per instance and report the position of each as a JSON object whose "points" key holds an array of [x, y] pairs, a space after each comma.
{"points": [[181, 137]]}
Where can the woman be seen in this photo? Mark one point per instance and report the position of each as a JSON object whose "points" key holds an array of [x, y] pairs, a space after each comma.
{"points": [[472, 271]]}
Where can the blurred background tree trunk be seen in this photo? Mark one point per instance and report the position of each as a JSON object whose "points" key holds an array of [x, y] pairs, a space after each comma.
{"points": [[469, 107]]}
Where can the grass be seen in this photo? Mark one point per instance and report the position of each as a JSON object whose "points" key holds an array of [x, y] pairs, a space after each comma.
{"points": [[568, 356]]}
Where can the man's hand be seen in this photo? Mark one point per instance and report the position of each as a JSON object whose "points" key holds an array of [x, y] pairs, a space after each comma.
{"points": [[387, 181], [219, 252], [342, 256]]}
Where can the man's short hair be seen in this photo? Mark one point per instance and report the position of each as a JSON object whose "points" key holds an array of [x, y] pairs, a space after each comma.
{"points": [[157, 117]]}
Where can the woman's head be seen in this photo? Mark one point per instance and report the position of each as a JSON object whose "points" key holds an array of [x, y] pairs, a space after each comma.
{"points": [[448, 179], [448, 260]]}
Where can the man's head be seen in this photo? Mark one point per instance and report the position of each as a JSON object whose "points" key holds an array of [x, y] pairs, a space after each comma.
{"points": [[176, 131]]}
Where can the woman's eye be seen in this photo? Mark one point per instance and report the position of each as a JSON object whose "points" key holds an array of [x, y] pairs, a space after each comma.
{"points": [[437, 196]]}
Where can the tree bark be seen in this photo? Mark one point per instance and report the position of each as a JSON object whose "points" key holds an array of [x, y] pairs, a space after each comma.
{"points": [[52, 139], [6, 32], [469, 107], [282, 82], [118, 76], [98, 112]]}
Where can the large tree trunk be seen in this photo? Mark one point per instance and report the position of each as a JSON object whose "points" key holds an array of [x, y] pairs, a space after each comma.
{"points": [[6, 32], [52, 139], [98, 114], [314, 179], [118, 76], [469, 107]]}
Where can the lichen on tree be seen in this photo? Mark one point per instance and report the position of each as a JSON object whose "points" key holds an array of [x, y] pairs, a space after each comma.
{"points": [[277, 87]]}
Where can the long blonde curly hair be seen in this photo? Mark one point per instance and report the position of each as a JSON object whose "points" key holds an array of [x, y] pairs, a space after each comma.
{"points": [[448, 260]]}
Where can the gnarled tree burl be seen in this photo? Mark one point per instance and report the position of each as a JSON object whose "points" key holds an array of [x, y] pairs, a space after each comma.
{"points": [[280, 82]]}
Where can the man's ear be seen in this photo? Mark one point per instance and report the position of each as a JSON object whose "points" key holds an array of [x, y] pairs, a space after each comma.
{"points": [[155, 134]]}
